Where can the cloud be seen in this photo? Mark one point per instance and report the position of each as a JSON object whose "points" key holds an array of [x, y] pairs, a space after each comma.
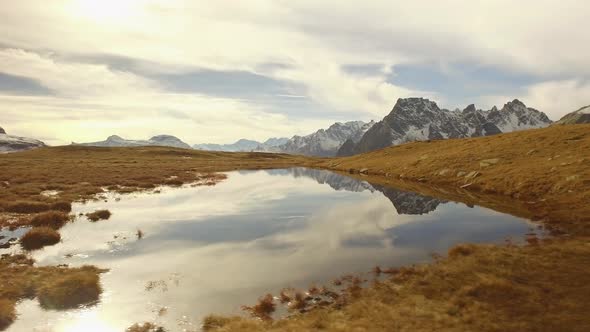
{"points": [[349, 61], [557, 98]]}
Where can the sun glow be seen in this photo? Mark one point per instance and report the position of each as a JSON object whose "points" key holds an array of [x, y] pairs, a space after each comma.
{"points": [[88, 322]]}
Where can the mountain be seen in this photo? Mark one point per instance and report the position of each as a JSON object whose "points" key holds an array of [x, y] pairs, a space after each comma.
{"points": [[274, 141], [160, 140], [326, 142], [419, 119], [580, 116], [244, 145], [9, 143]]}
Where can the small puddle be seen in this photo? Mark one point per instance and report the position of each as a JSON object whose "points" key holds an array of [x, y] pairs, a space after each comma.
{"points": [[211, 249]]}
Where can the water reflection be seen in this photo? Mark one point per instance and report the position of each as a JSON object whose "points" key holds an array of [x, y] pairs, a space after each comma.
{"points": [[212, 249]]}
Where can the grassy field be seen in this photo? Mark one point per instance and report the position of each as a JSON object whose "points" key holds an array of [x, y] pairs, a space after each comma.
{"points": [[542, 175]]}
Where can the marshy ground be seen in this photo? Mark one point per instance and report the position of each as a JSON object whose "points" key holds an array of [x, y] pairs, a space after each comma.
{"points": [[543, 175]]}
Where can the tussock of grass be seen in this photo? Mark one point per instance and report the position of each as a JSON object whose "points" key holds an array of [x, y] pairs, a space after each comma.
{"points": [[27, 207], [20, 279], [62, 206], [263, 309], [39, 237], [7, 313], [214, 322], [53, 219], [98, 215], [70, 291], [145, 327]]}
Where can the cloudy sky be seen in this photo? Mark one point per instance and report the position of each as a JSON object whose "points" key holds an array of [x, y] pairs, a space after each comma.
{"points": [[217, 71]]}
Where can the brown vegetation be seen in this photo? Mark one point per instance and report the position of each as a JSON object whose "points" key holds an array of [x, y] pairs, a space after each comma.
{"points": [[145, 327], [69, 291], [53, 219], [20, 279], [492, 288], [542, 175], [7, 313], [39, 237], [263, 309], [80, 173], [98, 215]]}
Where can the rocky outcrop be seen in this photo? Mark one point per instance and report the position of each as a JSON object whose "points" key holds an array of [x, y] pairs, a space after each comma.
{"points": [[419, 119], [580, 116]]}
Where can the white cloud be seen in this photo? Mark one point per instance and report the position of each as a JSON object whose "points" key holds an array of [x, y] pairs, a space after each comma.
{"points": [[315, 38], [557, 98]]}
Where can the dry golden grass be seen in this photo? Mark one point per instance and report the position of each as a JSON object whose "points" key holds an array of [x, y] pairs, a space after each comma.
{"points": [[7, 313], [20, 279], [263, 309], [69, 291], [98, 215], [482, 288], [541, 174], [53, 219], [39, 237], [145, 327], [80, 173]]}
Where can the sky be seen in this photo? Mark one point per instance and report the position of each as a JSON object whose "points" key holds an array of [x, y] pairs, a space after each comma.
{"points": [[218, 71]]}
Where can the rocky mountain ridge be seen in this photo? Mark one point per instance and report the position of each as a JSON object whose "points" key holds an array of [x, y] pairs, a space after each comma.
{"points": [[419, 119], [582, 115], [326, 142]]}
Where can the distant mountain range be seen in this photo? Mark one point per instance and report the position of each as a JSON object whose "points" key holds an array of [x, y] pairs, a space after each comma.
{"points": [[160, 140], [411, 119], [244, 145], [419, 119], [322, 143], [10, 143], [580, 116], [326, 142]]}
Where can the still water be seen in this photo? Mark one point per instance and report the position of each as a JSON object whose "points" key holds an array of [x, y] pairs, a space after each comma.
{"points": [[212, 249]]}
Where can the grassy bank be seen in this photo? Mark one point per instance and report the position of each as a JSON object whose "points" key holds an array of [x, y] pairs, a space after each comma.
{"points": [[538, 174]]}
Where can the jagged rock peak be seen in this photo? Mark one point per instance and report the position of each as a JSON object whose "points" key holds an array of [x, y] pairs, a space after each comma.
{"points": [[418, 119], [2, 131]]}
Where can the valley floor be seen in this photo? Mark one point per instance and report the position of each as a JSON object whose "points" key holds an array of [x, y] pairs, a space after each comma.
{"points": [[543, 175]]}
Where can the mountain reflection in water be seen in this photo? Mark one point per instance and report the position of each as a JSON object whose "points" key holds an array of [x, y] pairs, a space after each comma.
{"points": [[213, 249]]}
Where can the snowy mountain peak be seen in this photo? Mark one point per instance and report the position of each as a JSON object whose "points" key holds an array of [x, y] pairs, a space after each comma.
{"points": [[326, 142], [418, 119], [2, 131]]}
